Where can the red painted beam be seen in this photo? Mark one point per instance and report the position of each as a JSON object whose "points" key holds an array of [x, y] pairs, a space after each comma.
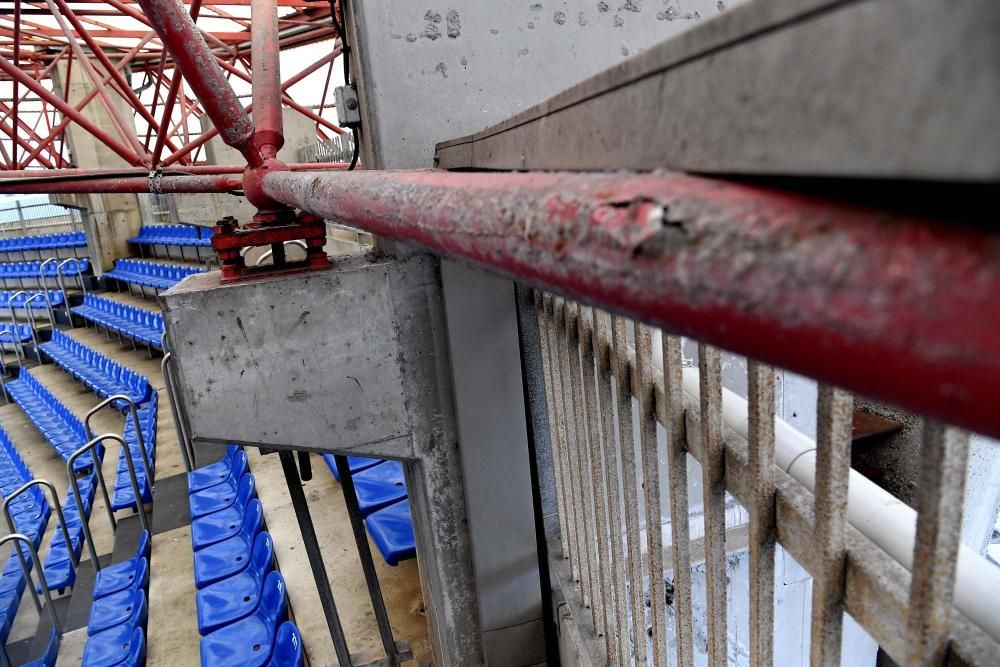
{"points": [[202, 73], [897, 308], [127, 184]]}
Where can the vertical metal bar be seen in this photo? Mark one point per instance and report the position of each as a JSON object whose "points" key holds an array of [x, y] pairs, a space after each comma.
{"points": [[585, 468], [680, 528], [570, 364], [760, 395], [623, 393], [940, 501], [304, 518], [553, 392], [714, 488], [268, 137], [833, 466], [585, 324], [651, 486], [367, 564], [602, 351], [569, 435]]}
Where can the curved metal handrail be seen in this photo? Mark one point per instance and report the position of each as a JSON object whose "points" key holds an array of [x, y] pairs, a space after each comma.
{"points": [[53, 617], [187, 452], [13, 319], [17, 344], [88, 536], [45, 289], [147, 466]]}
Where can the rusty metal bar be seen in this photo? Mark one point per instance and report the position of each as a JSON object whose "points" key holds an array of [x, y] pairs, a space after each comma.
{"points": [[680, 527], [585, 493], [940, 501], [570, 380], [197, 64], [760, 431], [268, 136], [753, 270], [557, 427], [605, 598], [601, 336], [626, 440], [651, 487], [714, 491], [569, 434], [163, 184], [833, 464]]}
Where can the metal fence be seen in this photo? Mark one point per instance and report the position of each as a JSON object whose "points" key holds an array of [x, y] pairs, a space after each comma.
{"points": [[31, 216], [612, 384], [338, 149]]}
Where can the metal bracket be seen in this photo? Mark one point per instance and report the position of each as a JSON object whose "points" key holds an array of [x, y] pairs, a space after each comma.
{"points": [[275, 230], [348, 106]]}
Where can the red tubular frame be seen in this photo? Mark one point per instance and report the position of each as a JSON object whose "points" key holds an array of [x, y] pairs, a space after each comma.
{"points": [[900, 309], [196, 63]]}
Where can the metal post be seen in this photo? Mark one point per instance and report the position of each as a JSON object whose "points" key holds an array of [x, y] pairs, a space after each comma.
{"points": [[392, 653], [315, 555]]}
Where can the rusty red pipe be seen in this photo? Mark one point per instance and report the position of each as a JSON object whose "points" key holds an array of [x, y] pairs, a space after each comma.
{"points": [[269, 129], [192, 57], [194, 169], [124, 184], [897, 308]]}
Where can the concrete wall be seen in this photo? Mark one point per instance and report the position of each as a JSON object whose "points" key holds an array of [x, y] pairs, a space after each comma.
{"points": [[113, 218]]}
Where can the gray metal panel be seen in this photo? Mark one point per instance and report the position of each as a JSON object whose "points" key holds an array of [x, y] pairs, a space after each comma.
{"points": [[869, 88]]}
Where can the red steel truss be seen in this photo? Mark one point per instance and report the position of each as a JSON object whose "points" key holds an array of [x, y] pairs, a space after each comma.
{"points": [[129, 51]]}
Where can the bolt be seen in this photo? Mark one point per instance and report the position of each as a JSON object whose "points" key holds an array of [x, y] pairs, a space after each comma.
{"points": [[351, 103]]}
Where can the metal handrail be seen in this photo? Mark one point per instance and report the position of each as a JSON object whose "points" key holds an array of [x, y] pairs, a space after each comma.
{"points": [[60, 279], [44, 294], [84, 523], [45, 289], [53, 617], [17, 344], [135, 419], [59, 513], [79, 271], [13, 319], [187, 452]]}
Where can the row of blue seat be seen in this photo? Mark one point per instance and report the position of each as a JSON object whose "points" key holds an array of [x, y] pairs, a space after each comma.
{"points": [[103, 375], [31, 514], [44, 242], [180, 235], [21, 331], [59, 571], [241, 599], [7, 298], [381, 492], [63, 430], [116, 628], [150, 274], [124, 495], [139, 324], [33, 269]]}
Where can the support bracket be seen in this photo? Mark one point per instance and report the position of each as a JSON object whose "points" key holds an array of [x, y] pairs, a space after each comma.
{"points": [[272, 229]]}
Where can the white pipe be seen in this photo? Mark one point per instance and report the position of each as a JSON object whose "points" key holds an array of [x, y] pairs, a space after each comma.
{"points": [[876, 513]]}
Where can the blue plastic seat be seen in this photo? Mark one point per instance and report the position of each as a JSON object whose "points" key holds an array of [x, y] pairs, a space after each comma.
{"points": [[127, 607], [220, 496], [357, 464], [224, 559], [218, 526], [120, 646], [132, 573], [379, 486], [213, 473], [391, 528], [249, 642], [287, 647], [238, 596]]}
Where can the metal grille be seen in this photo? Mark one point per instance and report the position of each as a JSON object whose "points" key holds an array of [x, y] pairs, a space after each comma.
{"points": [[609, 380], [38, 216]]}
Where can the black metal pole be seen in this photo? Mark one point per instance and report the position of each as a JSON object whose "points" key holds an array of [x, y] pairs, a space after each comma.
{"points": [[367, 564], [315, 556]]}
